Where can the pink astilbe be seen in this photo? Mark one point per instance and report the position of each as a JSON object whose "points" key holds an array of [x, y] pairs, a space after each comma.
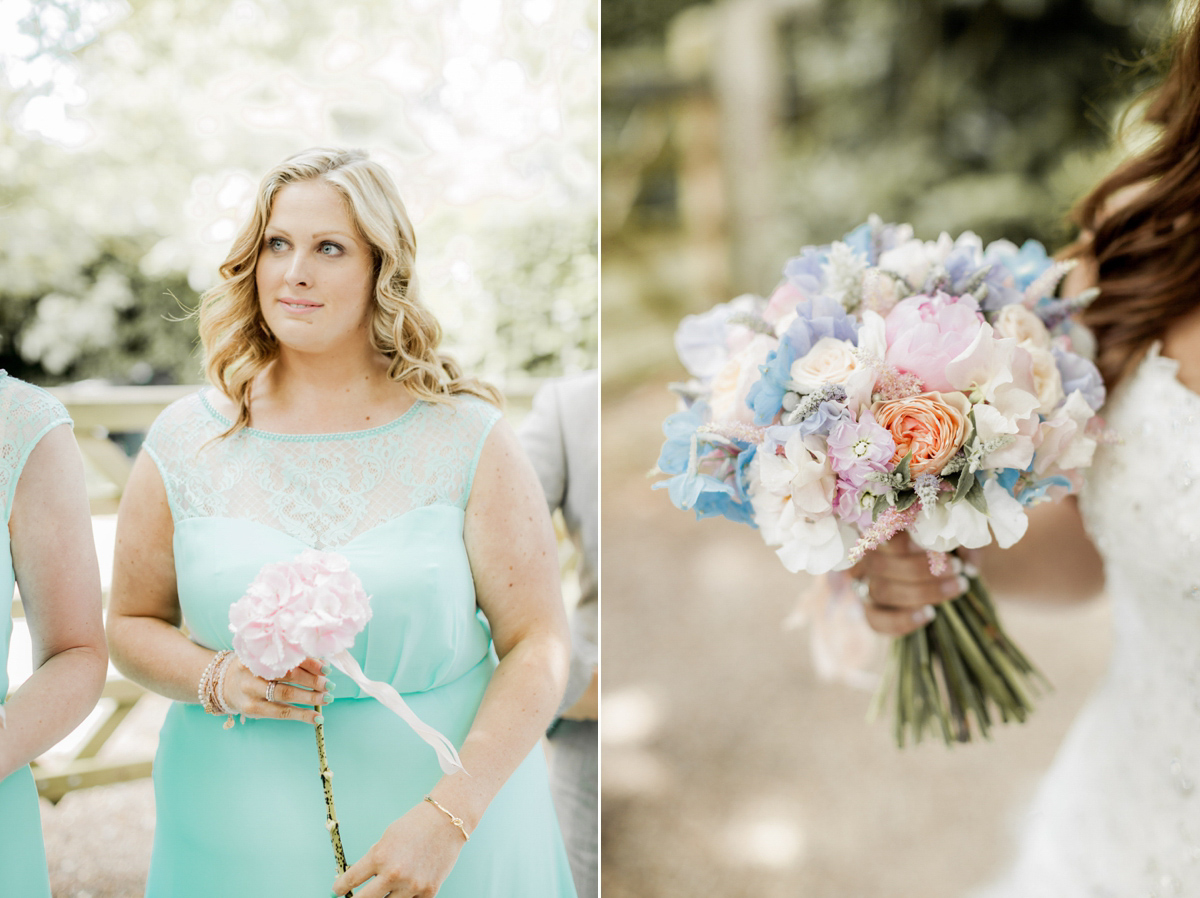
{"points": [[939, 563], [887, 525], [893, 384]]}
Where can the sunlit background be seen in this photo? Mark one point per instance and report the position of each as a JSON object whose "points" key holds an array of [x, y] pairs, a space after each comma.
{"points": [[135, 133], [733, 133], [132, 137]]}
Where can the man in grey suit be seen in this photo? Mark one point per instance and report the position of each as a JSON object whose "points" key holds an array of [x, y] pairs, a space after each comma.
{"points": [[561, 437]]}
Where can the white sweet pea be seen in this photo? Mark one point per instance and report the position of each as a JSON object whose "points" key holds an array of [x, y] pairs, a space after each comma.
{"points": [[817, 547], [949, 524], [803, 473], [702, 340], [1005, 514], [872, 346], [1062, 440], [985, 365]]}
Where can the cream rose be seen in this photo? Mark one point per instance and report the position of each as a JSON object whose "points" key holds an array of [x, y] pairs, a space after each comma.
{"points": [[830, 361], [1022, 325], [930, 425], [735, 378], [1047, 380]]}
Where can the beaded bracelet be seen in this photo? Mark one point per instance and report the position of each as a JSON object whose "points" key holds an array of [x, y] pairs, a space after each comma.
{"points": [[205, 690], [212, 686], [457, 821]]}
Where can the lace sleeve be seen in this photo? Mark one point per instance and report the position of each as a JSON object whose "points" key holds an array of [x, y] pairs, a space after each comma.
{"points": [[173, 444], [27, 413], [483, 416]]}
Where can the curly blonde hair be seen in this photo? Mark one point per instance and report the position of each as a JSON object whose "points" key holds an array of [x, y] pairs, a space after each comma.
{"points": [[237, 343]]}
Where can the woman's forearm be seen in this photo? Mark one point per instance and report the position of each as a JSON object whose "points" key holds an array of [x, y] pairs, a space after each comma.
{"points": [[58, 695], [518, 705], [157, 655], [1055, 561]]}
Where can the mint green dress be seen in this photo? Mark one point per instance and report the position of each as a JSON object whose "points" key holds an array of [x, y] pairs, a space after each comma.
{"points": [[240, 811], [27, 414]]}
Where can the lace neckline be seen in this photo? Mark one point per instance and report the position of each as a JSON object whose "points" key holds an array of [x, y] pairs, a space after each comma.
{"points": [[312, 437]]}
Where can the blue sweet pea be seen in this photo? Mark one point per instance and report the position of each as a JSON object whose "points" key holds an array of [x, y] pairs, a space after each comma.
{"points": [[827, 416], [805, 269], [862, 241], [687, 489], [1008, 477], [1037, 490], [1026, 264], [1079, 374], [679, 429], [816, 318], [766, 396]]}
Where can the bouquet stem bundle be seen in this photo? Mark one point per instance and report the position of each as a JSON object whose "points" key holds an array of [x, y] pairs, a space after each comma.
{"points": [[959, 666], [331, 821]]}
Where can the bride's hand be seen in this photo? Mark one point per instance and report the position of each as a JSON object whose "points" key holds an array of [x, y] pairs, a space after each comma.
{"points": [[413, 858], [900, 591], [246, 693]]}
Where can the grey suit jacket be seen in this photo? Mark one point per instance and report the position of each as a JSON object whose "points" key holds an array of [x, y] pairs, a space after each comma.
{"points": [[561, 437]]}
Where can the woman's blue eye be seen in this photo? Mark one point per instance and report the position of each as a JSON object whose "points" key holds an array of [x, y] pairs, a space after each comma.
{"points": [[276, 243], [330, 249]]}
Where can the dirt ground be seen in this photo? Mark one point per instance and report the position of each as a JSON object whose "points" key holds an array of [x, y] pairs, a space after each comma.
{"points": [[729, 769]]}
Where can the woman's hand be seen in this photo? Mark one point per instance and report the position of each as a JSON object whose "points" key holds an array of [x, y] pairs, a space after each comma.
{"points": [[900, 591], [246, 693], [411, 860]]}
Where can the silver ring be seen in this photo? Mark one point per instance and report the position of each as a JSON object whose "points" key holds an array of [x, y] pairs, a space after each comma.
{"points": [[271, 684], [862, 589]]}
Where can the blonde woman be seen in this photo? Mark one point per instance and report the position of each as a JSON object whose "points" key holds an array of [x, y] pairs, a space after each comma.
{"points": [[333, 422], [50, 554]]}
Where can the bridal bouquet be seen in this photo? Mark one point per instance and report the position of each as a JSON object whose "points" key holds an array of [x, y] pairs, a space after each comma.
{"points": [[313, 607], [892, 384]]}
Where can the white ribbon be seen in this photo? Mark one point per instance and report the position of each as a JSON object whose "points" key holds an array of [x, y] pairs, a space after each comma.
{"points": [[390, 699]]}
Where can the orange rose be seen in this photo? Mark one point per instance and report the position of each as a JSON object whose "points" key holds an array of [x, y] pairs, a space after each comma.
{"points": [[930, 425]]}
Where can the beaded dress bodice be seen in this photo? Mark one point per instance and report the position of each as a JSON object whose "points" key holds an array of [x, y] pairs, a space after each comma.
{"points": [[1118, 815], [391, 499]]}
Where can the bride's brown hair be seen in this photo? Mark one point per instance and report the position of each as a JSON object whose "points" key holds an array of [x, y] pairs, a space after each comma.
{"points": [[1147, 246], [237, 342]]}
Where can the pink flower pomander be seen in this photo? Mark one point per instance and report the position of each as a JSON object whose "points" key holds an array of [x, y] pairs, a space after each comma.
{"points": [[310, 607]]}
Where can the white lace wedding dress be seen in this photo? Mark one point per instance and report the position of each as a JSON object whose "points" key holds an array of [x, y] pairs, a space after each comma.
{"points": [[1118, 815]]}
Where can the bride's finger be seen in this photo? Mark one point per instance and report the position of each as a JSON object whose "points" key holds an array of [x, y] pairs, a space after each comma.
{"points": [[929, 590], [897, 621]]}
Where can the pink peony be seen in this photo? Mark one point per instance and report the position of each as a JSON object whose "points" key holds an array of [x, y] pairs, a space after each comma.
{"points": [[310, 607], [926, 333]]}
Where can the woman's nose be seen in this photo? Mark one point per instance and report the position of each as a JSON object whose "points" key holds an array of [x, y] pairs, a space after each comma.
{"points": [[298, 273]]}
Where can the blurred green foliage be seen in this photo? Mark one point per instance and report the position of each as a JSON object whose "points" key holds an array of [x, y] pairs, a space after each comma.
{"points": [[132, 134], [988, 115]]}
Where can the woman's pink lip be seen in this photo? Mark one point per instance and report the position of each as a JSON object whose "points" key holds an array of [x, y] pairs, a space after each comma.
{"points": [[303, 304]]}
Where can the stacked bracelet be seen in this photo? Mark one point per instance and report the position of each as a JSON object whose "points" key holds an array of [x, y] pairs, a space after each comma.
{"points": [[457, 821], [212, 686]]}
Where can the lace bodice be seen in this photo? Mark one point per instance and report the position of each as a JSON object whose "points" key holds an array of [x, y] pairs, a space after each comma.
{"points": [[1118, 816], [323, 489]]}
